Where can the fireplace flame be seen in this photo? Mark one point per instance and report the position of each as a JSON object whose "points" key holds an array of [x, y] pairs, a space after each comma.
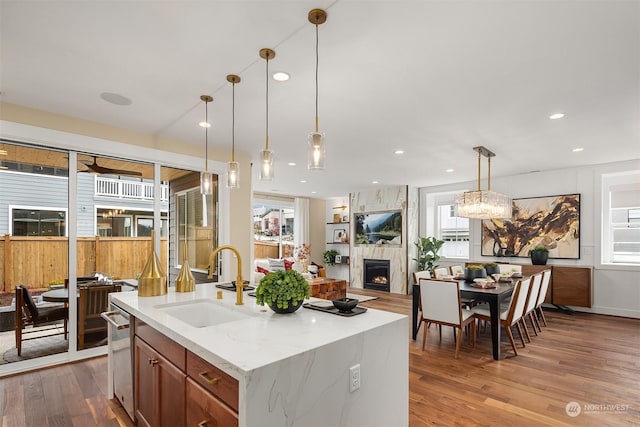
{"points": [[379, 280]]}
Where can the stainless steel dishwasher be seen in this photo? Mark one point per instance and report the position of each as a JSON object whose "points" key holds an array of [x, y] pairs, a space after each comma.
{"points": [[121, 338]]}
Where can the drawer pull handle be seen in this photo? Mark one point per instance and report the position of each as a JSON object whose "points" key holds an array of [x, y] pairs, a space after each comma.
{"points": [[153, 362], [210, 381]]}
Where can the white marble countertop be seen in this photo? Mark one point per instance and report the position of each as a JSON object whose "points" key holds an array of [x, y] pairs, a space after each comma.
{"points": [[259, 339]]}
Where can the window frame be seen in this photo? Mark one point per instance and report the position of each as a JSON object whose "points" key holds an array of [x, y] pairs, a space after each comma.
{"points": [[13, 208]]}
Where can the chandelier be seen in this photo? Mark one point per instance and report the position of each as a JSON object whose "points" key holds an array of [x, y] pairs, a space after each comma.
{"points": [[480, 204], [316, 150]]}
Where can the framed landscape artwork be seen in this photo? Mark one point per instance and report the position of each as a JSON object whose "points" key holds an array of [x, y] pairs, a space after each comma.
{"points": [[378, 228], [552, 221]]}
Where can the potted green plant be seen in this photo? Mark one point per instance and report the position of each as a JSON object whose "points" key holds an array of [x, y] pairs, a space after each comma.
{"points": [[428, 248], [491, 268], [283, 291], [474, 272], [539, 255], [330, 256]]}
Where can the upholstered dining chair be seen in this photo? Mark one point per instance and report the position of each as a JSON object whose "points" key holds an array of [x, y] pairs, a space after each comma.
{"points": [[29, 315], [417, 275], [544, 288], [510, 268], [456, 270], [512, 315], [92, 301], [440, 272], [441, 305], [532, 299]]}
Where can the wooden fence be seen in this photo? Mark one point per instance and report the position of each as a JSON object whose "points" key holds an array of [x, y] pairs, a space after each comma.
{"points": [[38, 261]]}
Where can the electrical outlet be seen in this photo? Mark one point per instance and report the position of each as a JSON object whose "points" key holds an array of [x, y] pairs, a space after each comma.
{"points": [[354, 378]]}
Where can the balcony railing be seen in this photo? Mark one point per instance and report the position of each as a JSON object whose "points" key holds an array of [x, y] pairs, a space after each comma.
{"points": [[129, 190]]}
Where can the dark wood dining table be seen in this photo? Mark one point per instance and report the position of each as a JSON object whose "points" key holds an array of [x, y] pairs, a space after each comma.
{"points": [[493, 296]]}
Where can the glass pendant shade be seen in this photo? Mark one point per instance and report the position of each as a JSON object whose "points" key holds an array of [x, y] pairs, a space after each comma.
{"points": [[482, 204], [266, 165], [206, 183], [233, 175], [316, 151]]}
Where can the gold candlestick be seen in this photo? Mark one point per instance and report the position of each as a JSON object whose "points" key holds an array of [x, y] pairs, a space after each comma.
{"points": [[153, 280]]}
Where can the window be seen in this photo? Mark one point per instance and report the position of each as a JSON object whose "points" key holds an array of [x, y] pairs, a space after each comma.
{"points": [[195, 226], [442, 223], [273, 228], [621, 218], [39, 222]]}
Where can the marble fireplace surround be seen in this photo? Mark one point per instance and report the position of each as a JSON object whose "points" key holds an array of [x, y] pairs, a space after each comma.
{"points": [[385, 199]]}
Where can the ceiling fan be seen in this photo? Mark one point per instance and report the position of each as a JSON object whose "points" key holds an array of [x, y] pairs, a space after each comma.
{"points": [[96, 168]]}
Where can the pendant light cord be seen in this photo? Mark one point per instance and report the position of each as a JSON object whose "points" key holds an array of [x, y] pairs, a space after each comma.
{"points": [[317, 60], [267, 102], [206, 136], [233, 122]]}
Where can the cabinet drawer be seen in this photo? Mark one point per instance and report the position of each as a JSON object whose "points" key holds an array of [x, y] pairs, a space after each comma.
{"points": [[171, 350], [203, 409], [217, 382]]}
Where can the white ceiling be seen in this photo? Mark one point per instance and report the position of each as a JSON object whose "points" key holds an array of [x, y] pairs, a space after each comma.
{"points": [[433, 78]]}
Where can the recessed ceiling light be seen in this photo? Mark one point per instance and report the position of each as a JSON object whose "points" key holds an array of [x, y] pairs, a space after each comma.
{"points": [[303, 181], [374, 182], [313, 192], [281, 76], [556, 116], [449, 170], [291, 163], [116, 99], [204, 124], [398, 152], [577, 150]]}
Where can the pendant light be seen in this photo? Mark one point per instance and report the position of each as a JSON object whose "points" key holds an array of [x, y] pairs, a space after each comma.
{"points": [[316, 148], [266, 155], [233, 167], [205, 177], [481, 204]]}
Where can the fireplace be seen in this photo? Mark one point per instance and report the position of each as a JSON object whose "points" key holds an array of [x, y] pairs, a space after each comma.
{"points": [[376, 274]]}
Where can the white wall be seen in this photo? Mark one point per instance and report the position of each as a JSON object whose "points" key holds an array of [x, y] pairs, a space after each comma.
{"points": [[616, 287]]}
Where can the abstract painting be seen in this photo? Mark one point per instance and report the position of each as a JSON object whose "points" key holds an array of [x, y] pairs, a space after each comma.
{"points": [[552, 221]]}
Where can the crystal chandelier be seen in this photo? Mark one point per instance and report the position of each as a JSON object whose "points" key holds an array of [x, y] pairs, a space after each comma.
{"points": [[480, 204]]}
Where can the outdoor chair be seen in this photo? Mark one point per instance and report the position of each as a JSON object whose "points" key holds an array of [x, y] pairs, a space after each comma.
{"points": [[28, 314], [93, 300]]}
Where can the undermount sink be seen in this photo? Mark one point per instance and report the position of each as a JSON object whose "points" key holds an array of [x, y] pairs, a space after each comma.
{"points": [[201, 313]]}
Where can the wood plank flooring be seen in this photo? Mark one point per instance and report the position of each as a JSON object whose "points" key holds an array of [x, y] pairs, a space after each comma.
{"points": [[593, 360]]}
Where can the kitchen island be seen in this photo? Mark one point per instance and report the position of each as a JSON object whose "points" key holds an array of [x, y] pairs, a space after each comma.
{"points": [[290, 369]]}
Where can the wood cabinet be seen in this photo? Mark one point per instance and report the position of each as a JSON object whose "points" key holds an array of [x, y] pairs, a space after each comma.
{"points": [[157, 379], [174, 387], [570, 285]]}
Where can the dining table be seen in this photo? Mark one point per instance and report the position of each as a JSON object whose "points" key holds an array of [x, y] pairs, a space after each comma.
{"points": [[62, 294], [493, 296]]}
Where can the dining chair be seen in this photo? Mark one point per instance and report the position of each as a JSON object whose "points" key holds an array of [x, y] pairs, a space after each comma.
{"points": [[456, 270], [92, 301], [544, 288], [532, 299], [441, 305], [510, 268], [417, 275], [28, 314], [440, 272], [511, 316]]}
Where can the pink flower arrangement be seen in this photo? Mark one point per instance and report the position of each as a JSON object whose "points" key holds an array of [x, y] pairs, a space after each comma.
{"points": [[303, 251]]}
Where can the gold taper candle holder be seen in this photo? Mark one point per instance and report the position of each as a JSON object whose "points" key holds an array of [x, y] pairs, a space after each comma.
{"points": [[153, 280], [185, 281]]}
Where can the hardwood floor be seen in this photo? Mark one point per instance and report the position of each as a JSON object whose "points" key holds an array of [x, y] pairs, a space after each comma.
{"points": [[590, 359]]}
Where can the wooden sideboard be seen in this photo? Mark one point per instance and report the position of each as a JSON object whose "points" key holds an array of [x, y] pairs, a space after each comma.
{"points": [[570, 285]]}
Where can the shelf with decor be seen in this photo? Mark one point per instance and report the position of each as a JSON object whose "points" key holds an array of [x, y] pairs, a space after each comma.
{"points": [[337, 238]]}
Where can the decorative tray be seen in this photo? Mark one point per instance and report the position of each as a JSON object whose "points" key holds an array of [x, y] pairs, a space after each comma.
{"points": [[332, 310], [487, 286], [232, 287]]}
